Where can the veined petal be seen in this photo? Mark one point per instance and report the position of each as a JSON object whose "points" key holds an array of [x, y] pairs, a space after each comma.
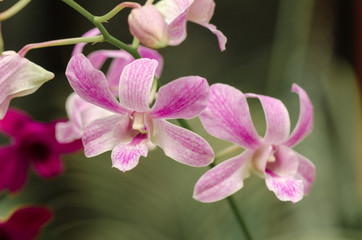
{"points": [[49, 167], [223, 180], [126, 156], [13, 169], [78, 48], [14, 121], [104, 134], [228, 117], [181, 144], [19, 77], [285, 189], [175, 14], [305, 121], [306, 172], [135, 84], [152, 54], [26, 222], [277, 119], [91, 84], [184, 98]]}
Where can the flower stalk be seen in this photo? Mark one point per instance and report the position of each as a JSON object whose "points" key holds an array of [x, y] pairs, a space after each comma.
{"points": [[17, 7], [107, 37], [61, 42]]}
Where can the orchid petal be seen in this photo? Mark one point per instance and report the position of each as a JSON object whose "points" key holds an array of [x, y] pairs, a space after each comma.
{"points": [[306, 172], [285, 189], [135, 84], [201, 11], [72, 130], [13, 169], [49, 167], [285, 162], [19, 77], [221, 38], [126, 156], [228, 117], [152, 54], [305, 122], [175, 14], [223, 180], [78, 48], [184, 98], [97, 58], [103, 134], [277, 119], [80, 114], [91, 84], [13, 122], [182, 145], [26, 223]]}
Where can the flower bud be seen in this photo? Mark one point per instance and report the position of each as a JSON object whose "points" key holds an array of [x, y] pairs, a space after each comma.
{"points": [[19, 77], [149, 26]]}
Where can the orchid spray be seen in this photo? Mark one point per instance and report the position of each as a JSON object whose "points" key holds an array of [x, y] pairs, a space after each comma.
{"points": [[128, 111]]}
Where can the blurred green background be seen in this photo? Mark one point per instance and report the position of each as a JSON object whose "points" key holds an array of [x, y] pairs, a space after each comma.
{"points": [[271, 44]]}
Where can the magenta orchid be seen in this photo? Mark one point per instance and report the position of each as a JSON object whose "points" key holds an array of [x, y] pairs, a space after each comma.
{"points": [[32, 143], [135, 127], [169, 19], [288, 174], [19, 77], [25, 223]]}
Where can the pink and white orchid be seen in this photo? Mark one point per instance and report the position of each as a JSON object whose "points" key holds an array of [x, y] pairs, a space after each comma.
{"points": [[134, 127], [19, 77], [81, 112], [288, 174], [164, 23]]}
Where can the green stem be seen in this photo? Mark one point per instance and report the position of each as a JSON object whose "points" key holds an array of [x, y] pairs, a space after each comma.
{"points": [[107, 37], [230, 199], [60, 42], [115, 10], [17, 7], [227, 151]]}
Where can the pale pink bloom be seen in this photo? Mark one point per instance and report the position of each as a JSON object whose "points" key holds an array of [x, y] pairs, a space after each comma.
{"points": [[19, 77], [135, 127], [164, 23], [81, 112], [288, 174]]}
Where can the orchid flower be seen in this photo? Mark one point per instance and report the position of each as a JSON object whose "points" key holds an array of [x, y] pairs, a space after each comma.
{"points": [[169, 19], [31, 143], [288, 174], [81, 112], [25, 223], [18, 77], [135, 128]]}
